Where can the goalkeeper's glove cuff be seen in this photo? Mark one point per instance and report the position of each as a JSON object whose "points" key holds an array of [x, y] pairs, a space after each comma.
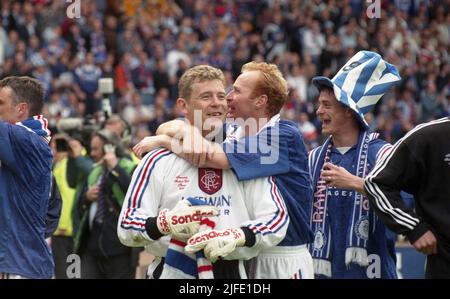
{"points": [[250, 238], [162, 222], [151, 227]]}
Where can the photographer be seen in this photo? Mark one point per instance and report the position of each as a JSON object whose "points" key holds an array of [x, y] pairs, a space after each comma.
{"points": [[79, 165], [77, 132], [62, 241], [118, 125], [102, 254]]}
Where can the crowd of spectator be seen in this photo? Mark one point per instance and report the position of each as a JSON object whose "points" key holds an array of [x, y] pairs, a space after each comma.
{"points": [[146, 45]]}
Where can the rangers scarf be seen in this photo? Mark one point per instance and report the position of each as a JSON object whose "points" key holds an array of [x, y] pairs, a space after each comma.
{"points": [[360, 223], [179, 263]]}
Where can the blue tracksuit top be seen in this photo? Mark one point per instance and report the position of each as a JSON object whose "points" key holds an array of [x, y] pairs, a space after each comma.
{"points": [[25, 178]]}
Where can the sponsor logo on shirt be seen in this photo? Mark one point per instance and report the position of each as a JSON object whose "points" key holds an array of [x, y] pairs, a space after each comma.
{"points": [[333, 191], [221, 201], [209, 180]]}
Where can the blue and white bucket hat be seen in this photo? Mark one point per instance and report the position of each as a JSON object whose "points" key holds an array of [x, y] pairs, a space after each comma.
{"points": [[361, 82]]}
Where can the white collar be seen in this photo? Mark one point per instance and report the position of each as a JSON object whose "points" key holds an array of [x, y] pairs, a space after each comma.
{"points": [[272, 122], [235, 132]]}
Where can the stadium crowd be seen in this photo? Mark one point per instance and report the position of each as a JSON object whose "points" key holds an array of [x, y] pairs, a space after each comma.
{"points": [[146, 46]]}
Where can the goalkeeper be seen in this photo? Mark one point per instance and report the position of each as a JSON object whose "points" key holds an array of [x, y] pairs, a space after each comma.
{"points": [[273, 147], [252, 213]]}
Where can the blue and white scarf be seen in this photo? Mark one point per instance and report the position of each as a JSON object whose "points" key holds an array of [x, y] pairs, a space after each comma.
{"points": [[361, 222], [37, 124], [179, 263]]}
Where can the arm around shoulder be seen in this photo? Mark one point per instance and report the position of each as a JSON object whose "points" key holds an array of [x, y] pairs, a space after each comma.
{"points": [[171, 128]]}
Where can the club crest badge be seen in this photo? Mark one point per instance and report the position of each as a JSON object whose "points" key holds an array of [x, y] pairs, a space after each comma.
{"points": [[362, 228], [319, 240], [209, 180]]}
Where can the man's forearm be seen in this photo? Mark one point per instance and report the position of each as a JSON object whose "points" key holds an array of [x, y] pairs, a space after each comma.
{"points": [[170, 143], [358, 185], [220, 159], [171, 128]]}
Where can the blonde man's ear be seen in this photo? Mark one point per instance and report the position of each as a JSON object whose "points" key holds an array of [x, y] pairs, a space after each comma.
{"points": [[182, 105]]}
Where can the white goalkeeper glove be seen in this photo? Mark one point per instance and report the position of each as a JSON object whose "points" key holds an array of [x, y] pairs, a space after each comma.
{"points": [[216, 243], [184, 219]]}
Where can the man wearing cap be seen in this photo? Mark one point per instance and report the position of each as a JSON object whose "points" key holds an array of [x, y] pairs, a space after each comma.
{"points": [[349, 241]]}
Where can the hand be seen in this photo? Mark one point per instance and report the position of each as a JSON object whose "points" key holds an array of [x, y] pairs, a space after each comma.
{"points": [[171, 128], [183, 220], [110, 160], [426, 244], [146, 145], [196, 150], [339, 177], [93, 193], [76, 148], [216, 243]]}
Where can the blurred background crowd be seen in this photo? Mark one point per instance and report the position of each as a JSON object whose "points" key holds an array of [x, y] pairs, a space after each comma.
{"points": [[145, 46]]}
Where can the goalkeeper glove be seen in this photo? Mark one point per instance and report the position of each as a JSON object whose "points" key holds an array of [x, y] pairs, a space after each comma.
{"points": [[216, 243], [184, 219]]}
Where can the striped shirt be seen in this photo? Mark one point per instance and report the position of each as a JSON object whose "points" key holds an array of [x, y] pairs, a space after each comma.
{"points": [[162, 179]]}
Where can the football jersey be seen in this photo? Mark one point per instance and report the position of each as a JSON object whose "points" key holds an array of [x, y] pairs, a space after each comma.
{"points": [[276, 150], [162, 179]]}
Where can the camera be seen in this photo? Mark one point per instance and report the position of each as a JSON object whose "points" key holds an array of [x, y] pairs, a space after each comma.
{"points": [[106, 88], [80, 129], [62, 145]]}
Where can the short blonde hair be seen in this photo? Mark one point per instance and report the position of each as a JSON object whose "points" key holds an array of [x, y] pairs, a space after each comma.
{"points": [[271, 83], [197, 74]]}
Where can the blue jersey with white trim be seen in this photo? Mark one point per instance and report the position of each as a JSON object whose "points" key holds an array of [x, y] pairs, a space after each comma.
{"points": [[277, 150], [162, 179], [25, 179]]}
